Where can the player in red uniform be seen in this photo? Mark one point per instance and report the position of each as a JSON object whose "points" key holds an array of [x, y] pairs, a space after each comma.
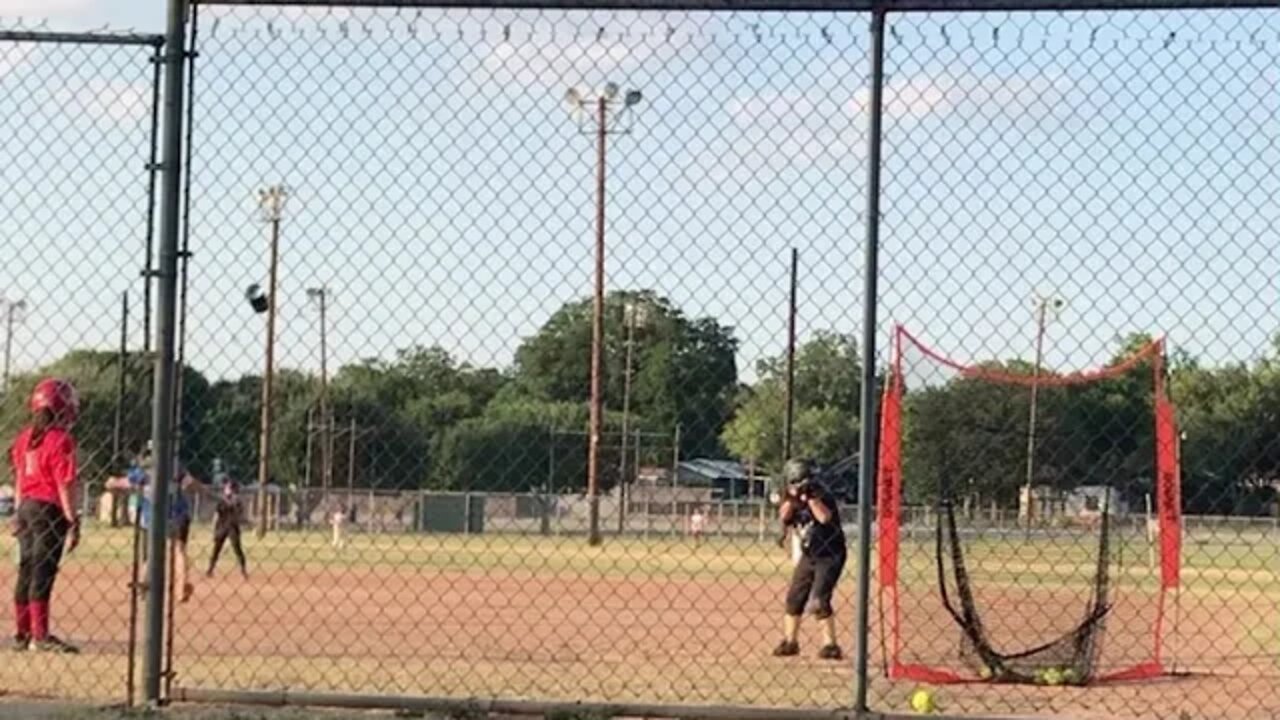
{"points": [[46, 524]]}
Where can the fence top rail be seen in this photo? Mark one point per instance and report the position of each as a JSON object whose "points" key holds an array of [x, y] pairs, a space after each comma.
{"points": [[777, 5], [82, 38]]}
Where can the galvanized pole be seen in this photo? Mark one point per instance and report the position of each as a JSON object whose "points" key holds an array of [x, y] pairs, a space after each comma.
{"points": [[630, 312], [867, 431], [320, 295], [1031, 413], [326, 411], [675, 481], [351, 463], [306, 465], [166, 320], [153, 167], [184, 257], [789, 418], [121, 386]]}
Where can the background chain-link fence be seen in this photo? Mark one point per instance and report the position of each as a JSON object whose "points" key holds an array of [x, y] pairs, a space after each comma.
{"points": [[76, 137], [1058, 188]]}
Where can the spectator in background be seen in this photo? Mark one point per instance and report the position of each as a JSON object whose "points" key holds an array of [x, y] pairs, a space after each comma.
{"points": [[337, 520], [698, 523]]}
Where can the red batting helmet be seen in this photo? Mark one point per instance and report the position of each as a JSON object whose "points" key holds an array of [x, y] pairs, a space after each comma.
{"points": [[58, 397]]}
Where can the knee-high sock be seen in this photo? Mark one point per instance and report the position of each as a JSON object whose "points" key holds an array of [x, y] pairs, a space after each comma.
{"points": [[22, 618], [39, 610]]}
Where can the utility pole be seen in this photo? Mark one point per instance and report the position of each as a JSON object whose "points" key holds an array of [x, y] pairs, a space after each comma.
{"points": [[606, 112], [271, 202], [788, 427], [1043, 306], [320, 296], [12, 311]]}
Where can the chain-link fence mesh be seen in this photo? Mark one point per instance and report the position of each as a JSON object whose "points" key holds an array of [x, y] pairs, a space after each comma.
{"points": [[1059, 190], [76, 132], [442, 201]]}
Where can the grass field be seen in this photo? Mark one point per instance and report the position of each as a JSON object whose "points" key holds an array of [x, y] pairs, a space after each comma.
{"points": [[657, 620]]}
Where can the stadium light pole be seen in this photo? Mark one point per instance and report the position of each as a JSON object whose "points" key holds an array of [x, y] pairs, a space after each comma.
{"points": [[1044, 304], [634, 313], [271, 203], [12, 312], [320, 296], [609, 106]]}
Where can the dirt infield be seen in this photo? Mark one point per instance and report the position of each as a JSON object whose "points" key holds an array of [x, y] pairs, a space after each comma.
{"points": [[568, 634]]}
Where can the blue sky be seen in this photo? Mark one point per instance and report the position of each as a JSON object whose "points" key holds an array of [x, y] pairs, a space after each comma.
{"points": [[1127, 162]]}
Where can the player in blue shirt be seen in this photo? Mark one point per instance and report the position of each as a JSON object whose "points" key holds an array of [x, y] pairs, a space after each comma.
{"points": [[138, 482]]}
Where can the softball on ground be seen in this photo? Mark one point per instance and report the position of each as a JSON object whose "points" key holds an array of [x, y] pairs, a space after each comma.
{"points": [[985, 673], [1051, 676], [923, 702]]}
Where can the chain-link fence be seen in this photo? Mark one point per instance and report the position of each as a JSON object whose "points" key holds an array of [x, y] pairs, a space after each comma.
{"points": [[394, 214], [77, 132]]}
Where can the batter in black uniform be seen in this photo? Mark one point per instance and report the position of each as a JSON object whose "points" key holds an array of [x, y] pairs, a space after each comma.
{"points": [[810, 511], [226, 526]]}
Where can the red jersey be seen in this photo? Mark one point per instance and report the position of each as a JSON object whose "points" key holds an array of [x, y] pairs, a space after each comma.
{"points": [[47, 466]]}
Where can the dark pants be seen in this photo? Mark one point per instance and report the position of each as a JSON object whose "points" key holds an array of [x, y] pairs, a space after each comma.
{"points": [[41, 537], [814, 579], [220, 537]]}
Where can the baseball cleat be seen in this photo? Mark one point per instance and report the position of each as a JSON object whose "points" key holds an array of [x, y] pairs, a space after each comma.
{"points": [[54, 645], [787, 648], [831, 652]]}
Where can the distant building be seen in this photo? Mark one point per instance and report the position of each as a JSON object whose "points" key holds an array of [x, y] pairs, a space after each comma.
{"points": [[726, 479]]}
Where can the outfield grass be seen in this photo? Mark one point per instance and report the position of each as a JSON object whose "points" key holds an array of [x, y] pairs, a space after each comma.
{"points": [[1234, 564]]}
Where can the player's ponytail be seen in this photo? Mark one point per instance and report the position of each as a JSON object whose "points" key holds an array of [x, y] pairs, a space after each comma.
{"points": [[41, 421]]}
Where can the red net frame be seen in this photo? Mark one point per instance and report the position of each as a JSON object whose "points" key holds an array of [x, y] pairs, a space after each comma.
{"points": [[889, 501]]}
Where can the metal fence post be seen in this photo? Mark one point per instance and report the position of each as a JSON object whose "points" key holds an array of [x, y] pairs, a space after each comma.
{"points": [[867, 429], [162, 403]]}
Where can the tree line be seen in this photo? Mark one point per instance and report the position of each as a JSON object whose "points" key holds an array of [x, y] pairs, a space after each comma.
{"points": [[426, 420]]}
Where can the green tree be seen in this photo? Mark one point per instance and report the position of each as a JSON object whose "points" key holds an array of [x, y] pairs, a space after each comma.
{"points": [[828, 383], [1231, 455], [403, 410], [522, 444], [96, 376], [972, 432], [683, 370]]}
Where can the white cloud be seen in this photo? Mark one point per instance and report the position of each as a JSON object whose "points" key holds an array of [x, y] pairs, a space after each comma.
{"points": [[532, 63], [801, 128], [924, 95], [112, 100]]}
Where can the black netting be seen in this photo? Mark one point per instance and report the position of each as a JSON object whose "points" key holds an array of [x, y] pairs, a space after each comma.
{"points": [[1069, 659]]}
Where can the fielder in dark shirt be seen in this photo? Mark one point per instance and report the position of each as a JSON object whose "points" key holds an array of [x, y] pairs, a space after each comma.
{"points": [[226, 526]]}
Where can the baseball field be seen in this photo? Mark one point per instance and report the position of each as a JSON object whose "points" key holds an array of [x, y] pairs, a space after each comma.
{"points": [[496, 615]]}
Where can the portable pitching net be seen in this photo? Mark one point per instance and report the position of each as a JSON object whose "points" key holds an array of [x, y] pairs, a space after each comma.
{"points": [[1012, 542]]}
